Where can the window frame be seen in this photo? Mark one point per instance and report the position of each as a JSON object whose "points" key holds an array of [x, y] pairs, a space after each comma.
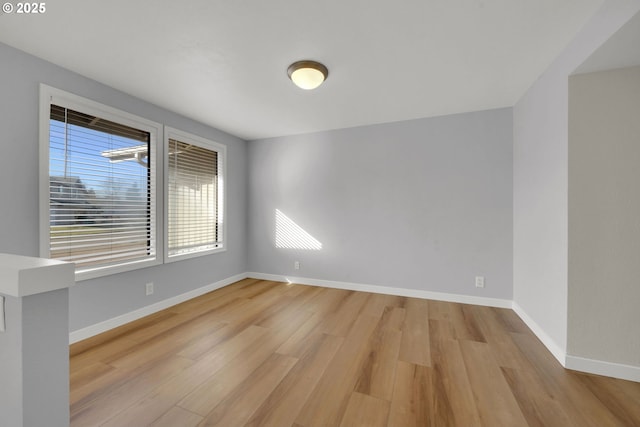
{"points": [[190, 138], [50, 95]]}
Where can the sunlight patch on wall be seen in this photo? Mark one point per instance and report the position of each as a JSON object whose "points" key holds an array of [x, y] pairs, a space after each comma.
{"points": [[290, 235]]}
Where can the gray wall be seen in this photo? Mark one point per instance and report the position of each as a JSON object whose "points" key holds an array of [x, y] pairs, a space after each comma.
{"points": [[11, 390], [540, 162], [96, 300], [421, 204], [34, 360], [45, 344], [604, 216]]}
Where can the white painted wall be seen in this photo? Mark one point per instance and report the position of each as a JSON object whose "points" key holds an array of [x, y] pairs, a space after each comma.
{"points": [[421, 204], [604, 216], [540, 162]]}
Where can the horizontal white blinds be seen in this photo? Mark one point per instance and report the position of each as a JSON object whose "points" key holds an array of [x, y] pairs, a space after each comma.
{"points": [[193, 208], [100, 201]]}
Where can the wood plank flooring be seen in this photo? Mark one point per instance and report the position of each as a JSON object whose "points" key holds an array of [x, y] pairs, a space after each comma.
{"points": [[260, 353]]}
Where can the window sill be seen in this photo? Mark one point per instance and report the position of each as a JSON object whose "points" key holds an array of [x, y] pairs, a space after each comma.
{"points": [[173, 258]]}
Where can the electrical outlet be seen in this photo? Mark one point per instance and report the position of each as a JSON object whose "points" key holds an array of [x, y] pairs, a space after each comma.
{"points": [[149, 288], [479, 281], [296, 265]]}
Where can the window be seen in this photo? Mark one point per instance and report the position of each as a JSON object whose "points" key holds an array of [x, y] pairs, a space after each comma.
{"points": [[108, 186], [195, 190], [98, 186]]}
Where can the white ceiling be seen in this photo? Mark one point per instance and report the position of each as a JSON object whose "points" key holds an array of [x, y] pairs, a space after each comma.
{"points": [[620, 51], [224, 62]]}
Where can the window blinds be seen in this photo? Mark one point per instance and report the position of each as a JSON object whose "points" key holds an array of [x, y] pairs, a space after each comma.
{"points": [[100, 198], [193, 206]]}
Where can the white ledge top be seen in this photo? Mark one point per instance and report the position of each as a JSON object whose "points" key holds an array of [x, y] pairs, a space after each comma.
{"points": [[21, 276]]}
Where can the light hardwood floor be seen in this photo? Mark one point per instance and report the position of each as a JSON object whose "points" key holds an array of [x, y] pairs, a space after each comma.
{"points": [[259, 353]]}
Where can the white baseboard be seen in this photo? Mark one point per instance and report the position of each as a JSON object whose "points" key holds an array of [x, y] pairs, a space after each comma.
{"points": [[626, 372], [98, 328], [557, 351], [598, 367], [403, 292]]}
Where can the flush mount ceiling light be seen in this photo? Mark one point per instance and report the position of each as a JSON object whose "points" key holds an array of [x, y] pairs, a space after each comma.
{"points": [[307, 74]]}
